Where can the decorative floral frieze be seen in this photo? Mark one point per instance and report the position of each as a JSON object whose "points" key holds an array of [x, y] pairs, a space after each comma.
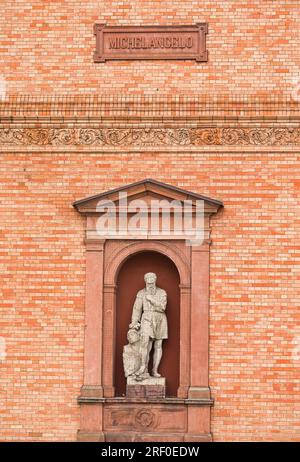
{"points": [[219, 136]]}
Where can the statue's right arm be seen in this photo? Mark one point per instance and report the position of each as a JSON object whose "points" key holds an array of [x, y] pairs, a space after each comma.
{"points": [[137, 311]]}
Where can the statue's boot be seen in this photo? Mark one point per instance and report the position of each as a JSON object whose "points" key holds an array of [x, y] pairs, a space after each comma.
{"points": [[156, 361], [141, 377], [155, 374]]}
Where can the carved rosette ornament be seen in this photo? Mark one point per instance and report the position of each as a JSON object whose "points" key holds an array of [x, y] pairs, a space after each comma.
{"points": [[145, 418]]}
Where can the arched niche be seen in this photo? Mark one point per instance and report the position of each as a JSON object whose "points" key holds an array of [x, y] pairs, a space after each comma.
{"points": [[114, 271], [130, 279], [175, 255]]}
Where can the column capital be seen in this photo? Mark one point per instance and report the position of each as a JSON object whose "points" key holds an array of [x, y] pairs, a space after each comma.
{"points": [[203, 247], [94, 245]]}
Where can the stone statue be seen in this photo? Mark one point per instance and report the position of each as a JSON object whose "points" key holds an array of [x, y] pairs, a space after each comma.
{"points": [[148, 328], [131, 353]]}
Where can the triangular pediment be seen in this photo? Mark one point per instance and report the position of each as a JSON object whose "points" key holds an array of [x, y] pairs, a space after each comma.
{"points": [[147, 190]]}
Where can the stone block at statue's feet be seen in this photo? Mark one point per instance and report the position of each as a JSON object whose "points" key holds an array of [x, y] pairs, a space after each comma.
{"points": [[151, 387]]}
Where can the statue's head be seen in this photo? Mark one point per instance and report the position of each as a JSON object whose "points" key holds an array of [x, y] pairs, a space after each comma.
{"points": [[133, 336], [150, 278]]}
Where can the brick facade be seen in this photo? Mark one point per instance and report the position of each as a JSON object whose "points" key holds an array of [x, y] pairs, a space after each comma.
{"points": [[253, 47], [228, 129]]}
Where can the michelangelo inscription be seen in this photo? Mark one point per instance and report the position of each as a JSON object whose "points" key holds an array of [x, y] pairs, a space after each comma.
{"points": [[150, 42], [140, 42]]}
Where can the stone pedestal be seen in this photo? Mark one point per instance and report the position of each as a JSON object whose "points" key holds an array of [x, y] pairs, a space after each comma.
{"points": [[152, 387]]}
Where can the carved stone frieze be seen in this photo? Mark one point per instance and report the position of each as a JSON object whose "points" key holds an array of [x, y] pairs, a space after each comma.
{"points": [[218, 136]]}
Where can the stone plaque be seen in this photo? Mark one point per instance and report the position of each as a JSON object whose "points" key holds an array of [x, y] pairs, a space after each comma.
{"points": [[150, 42]]}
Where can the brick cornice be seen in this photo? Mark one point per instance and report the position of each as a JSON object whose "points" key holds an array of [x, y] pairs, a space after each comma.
{"points": [[150, 107], [104, 122]]}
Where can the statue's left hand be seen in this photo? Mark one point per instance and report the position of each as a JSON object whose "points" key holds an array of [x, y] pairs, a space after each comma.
{"points": [[149, 298]]}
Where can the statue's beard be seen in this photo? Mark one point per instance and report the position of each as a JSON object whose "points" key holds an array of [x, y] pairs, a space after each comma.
{"points": [[150, 288]]}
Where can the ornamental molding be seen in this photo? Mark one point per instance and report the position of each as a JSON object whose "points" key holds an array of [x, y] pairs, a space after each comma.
{"points": [[145, 137]]}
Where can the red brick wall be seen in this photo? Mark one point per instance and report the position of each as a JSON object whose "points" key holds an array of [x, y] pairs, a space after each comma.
{"points": [[47, 46], [254, 322], [254, 286]]}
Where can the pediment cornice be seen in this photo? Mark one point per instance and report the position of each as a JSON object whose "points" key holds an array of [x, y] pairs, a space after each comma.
{"points": [[147, 190]]}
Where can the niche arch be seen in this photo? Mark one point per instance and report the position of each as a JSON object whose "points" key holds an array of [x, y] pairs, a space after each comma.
{"points": [[123, 252], [128, 248]]}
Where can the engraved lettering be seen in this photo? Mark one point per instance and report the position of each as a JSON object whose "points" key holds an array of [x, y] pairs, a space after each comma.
{"points": [[189, 42], [167, 42], [157, 42], [113, 43], [154, 42]]}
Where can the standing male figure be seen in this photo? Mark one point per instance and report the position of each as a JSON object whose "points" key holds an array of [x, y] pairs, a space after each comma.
{"points": [[148, 316]]}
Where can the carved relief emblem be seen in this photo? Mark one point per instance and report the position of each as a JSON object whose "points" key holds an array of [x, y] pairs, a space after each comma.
{"points": [[145, 418]]}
